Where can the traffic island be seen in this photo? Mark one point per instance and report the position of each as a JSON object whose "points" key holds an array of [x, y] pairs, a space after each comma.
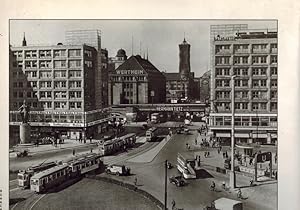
{"points": [[131, 187]]}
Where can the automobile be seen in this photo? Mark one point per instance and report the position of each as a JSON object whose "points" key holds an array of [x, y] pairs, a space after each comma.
{"points": [[178, 130], [119, 170], [177, 180], [186, 131]]}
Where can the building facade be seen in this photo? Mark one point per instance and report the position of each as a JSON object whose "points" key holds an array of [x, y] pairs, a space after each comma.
{"points": [[57, 82], [246, 60], [136, 81], [92, 38], [182, 85]]}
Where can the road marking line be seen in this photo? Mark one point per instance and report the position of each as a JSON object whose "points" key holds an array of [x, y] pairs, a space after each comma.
{"points": [[13, 189], [37, 201], [14, 206]]}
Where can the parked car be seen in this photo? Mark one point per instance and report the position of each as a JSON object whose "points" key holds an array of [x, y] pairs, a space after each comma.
{"points": [[177, 180], [119, 170]]}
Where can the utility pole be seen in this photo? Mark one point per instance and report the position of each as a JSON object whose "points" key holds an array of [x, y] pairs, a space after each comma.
{"points": [[166, 176], [232, 172]]}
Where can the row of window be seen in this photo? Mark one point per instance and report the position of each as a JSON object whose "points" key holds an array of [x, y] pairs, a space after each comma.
{"points": [[49, 74], [48, 94], [244, 83], [56, 64], [245, 71], [48, 53], [225, 60], [129, 78], [225, 106], [244, 94], [48, 84], [237, 47], [246, 121]]}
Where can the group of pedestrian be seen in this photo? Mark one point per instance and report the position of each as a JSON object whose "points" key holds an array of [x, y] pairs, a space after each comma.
{"points": [[225, 155], [188, 146], [206, 154]]}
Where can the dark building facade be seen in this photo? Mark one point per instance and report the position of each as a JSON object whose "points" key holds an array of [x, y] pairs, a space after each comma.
{"points": [[182, 85], [136, 81], [205, 87]]}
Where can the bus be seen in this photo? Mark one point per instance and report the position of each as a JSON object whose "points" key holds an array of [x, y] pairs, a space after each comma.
{"points": [[186, 165], [151, 134]]}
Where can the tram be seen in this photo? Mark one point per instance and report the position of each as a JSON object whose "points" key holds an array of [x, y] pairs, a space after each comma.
{"points": [[118, 144], [151, 133], [25, 175], [57, 175]]}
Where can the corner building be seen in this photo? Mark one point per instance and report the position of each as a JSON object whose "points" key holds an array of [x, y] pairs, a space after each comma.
{"points": [[58, 84], [250, 55], [136, 81]]}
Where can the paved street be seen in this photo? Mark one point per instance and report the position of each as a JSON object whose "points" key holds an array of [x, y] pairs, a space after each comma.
{"points": [[147, 165], [196, 194]]}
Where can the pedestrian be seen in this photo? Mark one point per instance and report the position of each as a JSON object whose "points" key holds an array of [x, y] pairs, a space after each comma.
{"points": [[84, 141], [207, 154], [73, 152], [135, 181], [91, 150], [224, 185], [173, 204], [91, 138], [250, 161], [195, 141], [218, 151]]}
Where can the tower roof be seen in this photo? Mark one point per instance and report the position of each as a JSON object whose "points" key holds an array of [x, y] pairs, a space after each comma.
{"points": [[121, 53]]}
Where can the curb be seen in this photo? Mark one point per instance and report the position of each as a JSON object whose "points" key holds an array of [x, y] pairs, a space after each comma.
{"points": [[56, 149], [133, 188]]}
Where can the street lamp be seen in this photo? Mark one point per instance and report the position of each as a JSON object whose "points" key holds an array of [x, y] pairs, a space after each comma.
{"points": [[232, 177]]}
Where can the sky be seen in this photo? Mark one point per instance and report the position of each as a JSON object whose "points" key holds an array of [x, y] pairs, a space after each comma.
{"points": [[161, 37]]}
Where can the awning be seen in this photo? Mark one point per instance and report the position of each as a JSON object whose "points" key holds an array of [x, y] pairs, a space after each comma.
{"points": [[223, 135], [274, 135], [259, 135], [237, 135]]}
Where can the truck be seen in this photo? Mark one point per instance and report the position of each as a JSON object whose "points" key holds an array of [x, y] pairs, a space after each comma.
{"points": [[119, 170]]}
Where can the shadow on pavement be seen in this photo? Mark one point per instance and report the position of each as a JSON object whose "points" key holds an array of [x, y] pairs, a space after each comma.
{"points": [[16, 200], [203, 174]]}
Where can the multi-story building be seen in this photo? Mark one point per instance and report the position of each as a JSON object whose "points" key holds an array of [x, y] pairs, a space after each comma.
{"points": [[92, 38], [248, 60], [136, 81], [57, 82], [182, 85]]}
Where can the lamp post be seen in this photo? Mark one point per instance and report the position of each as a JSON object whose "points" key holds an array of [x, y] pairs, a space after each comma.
{"points": [[232, 182]]}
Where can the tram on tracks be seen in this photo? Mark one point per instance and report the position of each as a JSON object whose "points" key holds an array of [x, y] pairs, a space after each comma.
{"points": [[151, 134], [57, 175], [24, 176], [117, 144]]}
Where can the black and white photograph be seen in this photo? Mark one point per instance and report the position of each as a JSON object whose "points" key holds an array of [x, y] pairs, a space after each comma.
{"points": [[149, 114]]}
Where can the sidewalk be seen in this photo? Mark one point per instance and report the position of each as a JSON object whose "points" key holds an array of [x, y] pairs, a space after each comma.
{"points": [[32, 149], [148, 156]]}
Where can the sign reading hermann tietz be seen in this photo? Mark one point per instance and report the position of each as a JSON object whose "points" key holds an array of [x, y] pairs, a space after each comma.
{"points": [[170, 109]]}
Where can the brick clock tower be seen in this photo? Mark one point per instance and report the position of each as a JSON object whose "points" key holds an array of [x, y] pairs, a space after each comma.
{"points": [[185, 67]]}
